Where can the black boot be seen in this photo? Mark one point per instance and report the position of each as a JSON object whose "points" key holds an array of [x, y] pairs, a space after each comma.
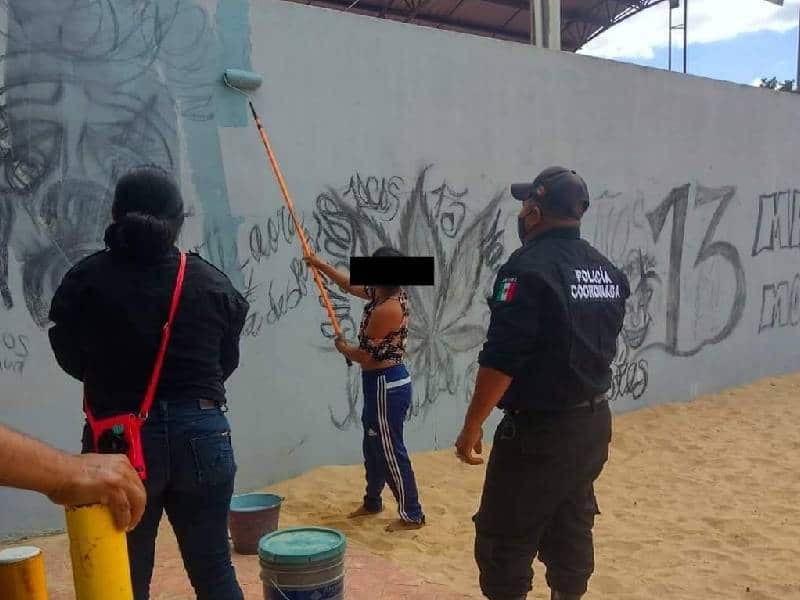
{"points": [[555, 595]]}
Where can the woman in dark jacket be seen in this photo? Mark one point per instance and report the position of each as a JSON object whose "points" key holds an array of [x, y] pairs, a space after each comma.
{"points": [[108, 313]]}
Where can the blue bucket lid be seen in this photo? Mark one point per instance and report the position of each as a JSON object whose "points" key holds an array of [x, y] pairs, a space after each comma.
{"points": [[301, 545]]}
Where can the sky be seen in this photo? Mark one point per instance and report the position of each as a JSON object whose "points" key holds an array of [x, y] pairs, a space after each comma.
{"points": [[732, 40]]}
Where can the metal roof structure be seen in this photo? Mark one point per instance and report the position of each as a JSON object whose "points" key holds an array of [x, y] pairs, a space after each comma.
{"points": [[581, 20]]}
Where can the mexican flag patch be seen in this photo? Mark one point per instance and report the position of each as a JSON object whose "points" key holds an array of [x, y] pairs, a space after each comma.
{"points": [[506, 289]]}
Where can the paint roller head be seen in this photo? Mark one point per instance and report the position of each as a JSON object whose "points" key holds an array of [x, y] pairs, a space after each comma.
{"points": [[242, 80]]}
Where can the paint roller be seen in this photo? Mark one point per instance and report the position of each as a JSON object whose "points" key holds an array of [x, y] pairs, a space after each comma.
{"points": [[240, 80]]}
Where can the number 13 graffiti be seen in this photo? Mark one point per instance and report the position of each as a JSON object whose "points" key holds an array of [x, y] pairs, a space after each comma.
{"points": [[677, 201]]}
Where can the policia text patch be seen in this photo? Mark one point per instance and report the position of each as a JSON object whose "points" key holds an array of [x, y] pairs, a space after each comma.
{"points": [[594, 284]]}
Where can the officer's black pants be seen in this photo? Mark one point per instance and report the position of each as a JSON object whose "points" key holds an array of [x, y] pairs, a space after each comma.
{"points": [[538, 498]]}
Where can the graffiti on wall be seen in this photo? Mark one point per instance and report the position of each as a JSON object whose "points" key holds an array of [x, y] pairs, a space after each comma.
{"points": [[684, 296], [14, 352], [777, 229], [274, 295], [780, 304], [91, 89], [688, 285], [419, 218], [778, 222], [275, 280], [630, 373]]}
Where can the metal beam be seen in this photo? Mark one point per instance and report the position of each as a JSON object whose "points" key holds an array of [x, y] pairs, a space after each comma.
{"points": [[367, 8], [552, 23], [620, 18], [797, 81], [685, 31], [537, 31], [420, 5], [546, 23], [458, 5], [520, 4], [549, 29], [385, 7], [591, 18]]}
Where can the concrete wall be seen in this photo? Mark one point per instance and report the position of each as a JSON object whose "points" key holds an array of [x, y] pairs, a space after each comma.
{"points": [[386, 133]]}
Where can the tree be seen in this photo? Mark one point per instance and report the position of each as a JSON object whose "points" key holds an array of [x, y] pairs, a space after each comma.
{"points": [[772, 84]]}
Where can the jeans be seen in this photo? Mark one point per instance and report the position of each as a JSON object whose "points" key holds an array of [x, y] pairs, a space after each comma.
{"points": [[190, 473]]}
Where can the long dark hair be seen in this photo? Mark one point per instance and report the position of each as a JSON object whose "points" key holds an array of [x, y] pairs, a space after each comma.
{"points": [[147, 213]]}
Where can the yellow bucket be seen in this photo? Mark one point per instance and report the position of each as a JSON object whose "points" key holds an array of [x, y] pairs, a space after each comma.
{"points": [[99, 553], [22, 574]]}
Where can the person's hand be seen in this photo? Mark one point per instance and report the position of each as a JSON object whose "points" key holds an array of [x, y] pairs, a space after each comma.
{"points": [[315, 261], [340, 343], [107, 479], [469, 441]]}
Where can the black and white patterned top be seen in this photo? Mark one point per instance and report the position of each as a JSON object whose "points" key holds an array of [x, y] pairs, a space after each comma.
{"points": [[392, 346]]}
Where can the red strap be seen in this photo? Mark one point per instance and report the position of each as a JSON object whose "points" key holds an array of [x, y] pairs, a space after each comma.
{"points": [[150, 394]]}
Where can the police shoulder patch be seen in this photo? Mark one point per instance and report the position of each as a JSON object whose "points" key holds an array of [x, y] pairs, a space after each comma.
{"points": [[505, 290]]}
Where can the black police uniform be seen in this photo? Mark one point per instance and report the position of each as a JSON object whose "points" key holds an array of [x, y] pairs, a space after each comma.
{"points": [[556, 312]]}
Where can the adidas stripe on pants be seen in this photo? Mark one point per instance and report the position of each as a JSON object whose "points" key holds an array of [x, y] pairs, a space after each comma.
{"points": [[387, 399]]}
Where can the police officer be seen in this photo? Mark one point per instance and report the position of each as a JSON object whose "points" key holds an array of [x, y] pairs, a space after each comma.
{"points": [[556, 312]]}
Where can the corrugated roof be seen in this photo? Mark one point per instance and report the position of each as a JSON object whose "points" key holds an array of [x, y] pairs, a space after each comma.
{"points": [[581, 20]]}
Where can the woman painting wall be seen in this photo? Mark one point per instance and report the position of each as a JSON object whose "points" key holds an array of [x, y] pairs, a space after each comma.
{"points": [[387, 393]]}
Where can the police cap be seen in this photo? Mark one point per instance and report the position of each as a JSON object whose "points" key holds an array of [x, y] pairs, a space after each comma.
{"points": [[561, 190]]}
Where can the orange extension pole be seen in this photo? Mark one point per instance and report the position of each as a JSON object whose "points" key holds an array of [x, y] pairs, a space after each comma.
{"points": [[301, 236]]}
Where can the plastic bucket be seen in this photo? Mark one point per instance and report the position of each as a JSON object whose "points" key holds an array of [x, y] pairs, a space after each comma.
{"points": [[303, 563], [251, 517]]}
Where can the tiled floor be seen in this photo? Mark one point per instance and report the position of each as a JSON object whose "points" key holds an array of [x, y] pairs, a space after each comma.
{"points": [[368, 577]]}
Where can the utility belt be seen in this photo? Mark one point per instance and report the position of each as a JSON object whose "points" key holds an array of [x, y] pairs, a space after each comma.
{"points": [[592, 404], [122, 434]]}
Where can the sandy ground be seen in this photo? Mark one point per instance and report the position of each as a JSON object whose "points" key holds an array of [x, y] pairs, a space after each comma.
{"points": [[698, 500]]}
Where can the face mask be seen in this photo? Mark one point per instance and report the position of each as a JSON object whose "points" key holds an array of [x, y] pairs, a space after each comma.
{"points": [[521, 232]]}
